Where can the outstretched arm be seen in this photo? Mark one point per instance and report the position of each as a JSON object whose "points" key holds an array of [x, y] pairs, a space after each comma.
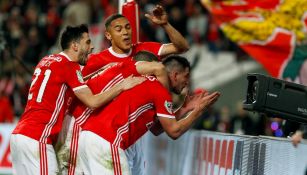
{"points": [[175, 128], [188, 105], [178, 43], [93, 101]]}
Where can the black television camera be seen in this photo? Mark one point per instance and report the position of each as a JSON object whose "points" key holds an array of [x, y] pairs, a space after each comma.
{"points": [[276, 98]]}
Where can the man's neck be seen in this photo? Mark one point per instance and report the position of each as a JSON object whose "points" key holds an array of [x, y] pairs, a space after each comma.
{"points": [[120, 51], [119, 54], [70, 55]]}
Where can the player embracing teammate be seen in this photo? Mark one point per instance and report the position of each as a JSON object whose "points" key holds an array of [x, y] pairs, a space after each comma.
{"points": [[117, 136]]}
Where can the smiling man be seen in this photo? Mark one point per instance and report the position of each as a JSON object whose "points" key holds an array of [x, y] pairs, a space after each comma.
{"points": [[118, 32]]}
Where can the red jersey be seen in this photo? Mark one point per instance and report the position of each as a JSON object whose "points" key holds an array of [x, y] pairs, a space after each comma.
{"points": [[101, 82], [96, 61], [49, 96], [129, 116]]}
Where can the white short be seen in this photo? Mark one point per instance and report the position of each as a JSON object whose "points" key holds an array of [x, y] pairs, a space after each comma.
{"points": [[68, 147], [136, 159], [31, 157], [98, 156]]}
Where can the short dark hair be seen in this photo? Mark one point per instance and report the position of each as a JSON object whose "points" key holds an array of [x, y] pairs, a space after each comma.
{"points": [[176, 62], [72, 34], [145, 56], [112, 18]]}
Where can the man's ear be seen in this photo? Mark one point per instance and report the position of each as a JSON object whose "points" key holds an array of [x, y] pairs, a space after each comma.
{"points": [[108, 36], [174, 75]]}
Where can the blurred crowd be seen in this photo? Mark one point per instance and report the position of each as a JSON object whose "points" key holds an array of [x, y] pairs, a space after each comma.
{"points": [[240, 122], [30, 29]]}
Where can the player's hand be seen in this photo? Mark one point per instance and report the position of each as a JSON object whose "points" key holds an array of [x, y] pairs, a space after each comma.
{"points": [[296, 138], [192, 99], [131, 81], [158, 16], [206, 100]]}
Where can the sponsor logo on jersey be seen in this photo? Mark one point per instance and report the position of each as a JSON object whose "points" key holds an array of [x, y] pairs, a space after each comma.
{"points": [[168, 106], [79, 75]]}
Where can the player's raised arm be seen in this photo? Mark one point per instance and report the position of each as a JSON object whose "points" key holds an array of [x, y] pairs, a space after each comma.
{"points": [[178, 43]]}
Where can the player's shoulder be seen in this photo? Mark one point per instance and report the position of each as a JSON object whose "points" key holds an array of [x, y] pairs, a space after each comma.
{"points": [[148, 46], [54, 58], [54, 61], [148, 43], [110, 68], [98, 54], [153, 83], [99, 58]]}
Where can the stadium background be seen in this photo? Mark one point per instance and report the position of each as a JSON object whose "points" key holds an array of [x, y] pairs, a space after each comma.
{"points": [[29, 30]]}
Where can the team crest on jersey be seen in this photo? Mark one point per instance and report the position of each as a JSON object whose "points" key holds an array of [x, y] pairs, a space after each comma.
{"points": [[79, 75], [168, 106]]}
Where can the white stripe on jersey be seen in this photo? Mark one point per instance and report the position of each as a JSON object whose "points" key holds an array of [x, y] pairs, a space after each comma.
{"points": [[79, 87], [132, 117], [113, 82], [79, 121], [86, 113], [165, 116], [58, 106]]}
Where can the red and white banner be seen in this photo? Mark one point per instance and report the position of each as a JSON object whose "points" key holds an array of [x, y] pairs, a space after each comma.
{"points": [[268, 30], [212, 153]]}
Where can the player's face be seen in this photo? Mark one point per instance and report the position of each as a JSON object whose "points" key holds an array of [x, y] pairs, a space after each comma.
{"points": [[181, 81], [85, 47], [119, 33]]}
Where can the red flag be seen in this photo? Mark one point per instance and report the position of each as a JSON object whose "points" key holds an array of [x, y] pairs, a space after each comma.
{"points": [[268, 30], [130, 10]]}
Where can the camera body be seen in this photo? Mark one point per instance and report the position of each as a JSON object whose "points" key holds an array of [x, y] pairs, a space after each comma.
{"points": [[276, 98]]}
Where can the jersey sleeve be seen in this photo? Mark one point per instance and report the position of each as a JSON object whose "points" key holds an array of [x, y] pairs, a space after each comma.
{"points": [[129, 68], [94, 63], [97, 82], [74, 77], [153, 47], [162, 101]]}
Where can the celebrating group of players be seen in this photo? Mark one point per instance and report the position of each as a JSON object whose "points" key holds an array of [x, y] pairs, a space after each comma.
{"points": [[109, 104]]}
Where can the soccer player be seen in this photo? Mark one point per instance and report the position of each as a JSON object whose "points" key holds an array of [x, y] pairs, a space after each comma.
{"points": [[100, 82], [118, 32], [111, 130], [56, 78]]}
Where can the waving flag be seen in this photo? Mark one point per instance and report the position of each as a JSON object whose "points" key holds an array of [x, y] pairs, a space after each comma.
{"points": [[268, 30]]}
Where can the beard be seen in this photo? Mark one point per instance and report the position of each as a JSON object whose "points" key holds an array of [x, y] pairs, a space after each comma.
{"points": [[83, 58], [176, 91]]}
